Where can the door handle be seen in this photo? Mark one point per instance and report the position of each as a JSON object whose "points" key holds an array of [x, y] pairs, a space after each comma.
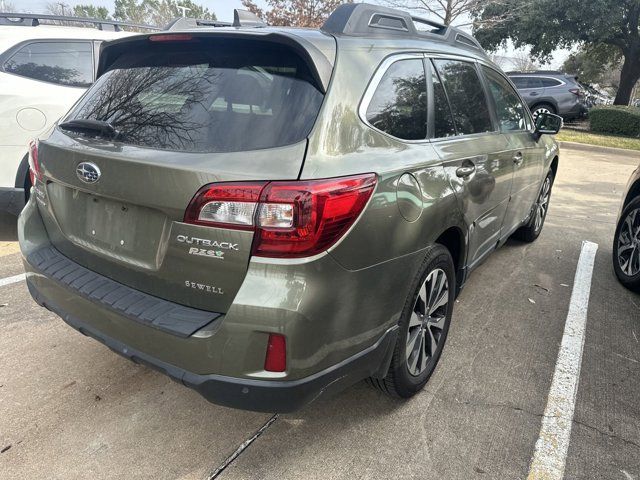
{"points": [[466, 170], [517, 158], [534, 94]]}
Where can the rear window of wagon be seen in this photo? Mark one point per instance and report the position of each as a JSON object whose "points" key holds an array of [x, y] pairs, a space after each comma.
{"points": [[206, 95]]}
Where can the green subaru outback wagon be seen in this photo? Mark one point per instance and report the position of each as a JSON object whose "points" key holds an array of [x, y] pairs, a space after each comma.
{"points": [[270, 214]]}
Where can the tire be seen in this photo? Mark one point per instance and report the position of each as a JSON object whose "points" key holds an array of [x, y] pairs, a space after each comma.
{"points": [[409, 373], [628, 273], [533, 228], [542, 108]]}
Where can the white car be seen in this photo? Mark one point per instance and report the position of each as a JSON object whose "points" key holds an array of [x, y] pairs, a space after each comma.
{"points": [[44, 69]]}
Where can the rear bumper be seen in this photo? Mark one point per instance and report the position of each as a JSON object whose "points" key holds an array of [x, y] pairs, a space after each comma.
{"points": [[11, 200], [334, 337], [257, 395], [578, 109]]}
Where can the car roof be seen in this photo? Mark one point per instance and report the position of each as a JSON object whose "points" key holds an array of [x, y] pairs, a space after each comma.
{"points": [[11, 35], [366, 25]]}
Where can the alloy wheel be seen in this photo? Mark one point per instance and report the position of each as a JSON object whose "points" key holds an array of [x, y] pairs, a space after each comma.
{"points": [[427, 321], [542, 204], [538, 111], [628, 244]]}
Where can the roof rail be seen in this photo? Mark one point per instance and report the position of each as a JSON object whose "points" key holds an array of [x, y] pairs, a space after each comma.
{"points": [[533, 72], [364, 19], [241, 18], [33, 20]]}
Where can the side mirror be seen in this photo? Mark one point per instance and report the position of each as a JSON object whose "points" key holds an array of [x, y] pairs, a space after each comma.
{"points": [[548, 124]]}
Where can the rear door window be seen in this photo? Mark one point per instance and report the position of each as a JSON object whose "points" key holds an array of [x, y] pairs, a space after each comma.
{"points": [[466, 96], [527, 82], [399, 104], [509, 109], [534, 82], [64, 63], [519, 82], [442, 118], [209, 95]]}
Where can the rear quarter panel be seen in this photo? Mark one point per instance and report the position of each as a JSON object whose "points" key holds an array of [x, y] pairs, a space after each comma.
{"points": [[342, 144]]}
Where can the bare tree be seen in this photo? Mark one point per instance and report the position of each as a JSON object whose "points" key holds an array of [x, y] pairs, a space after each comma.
{"points": [[499, 60], [522, 62], [7, 6], [448, 11], [59, 8], [299, 13]]}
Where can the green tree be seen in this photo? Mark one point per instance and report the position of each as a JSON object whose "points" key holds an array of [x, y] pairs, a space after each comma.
{"points": [[599, 65], [91, 11], [548, 24], [133, 10], [297, 13]]}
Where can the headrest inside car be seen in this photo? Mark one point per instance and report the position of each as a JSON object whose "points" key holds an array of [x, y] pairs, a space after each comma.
{"points": [[243, 89]]}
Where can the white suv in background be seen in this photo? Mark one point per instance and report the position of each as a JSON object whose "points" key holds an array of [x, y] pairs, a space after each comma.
{"points": [[44, 69]]}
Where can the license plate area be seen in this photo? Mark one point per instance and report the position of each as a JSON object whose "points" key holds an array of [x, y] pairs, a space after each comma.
{"points": [[111, 223], [126, 232]]}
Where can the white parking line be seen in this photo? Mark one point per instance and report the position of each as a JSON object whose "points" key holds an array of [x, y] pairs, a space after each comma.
{"points": [[10, 280], [550, 455]]}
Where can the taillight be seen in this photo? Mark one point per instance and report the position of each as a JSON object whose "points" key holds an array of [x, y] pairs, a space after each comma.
{"points": [[225, 205], [290, 218], [320, 212], [576, 91], [276, 357], [34, 165]]}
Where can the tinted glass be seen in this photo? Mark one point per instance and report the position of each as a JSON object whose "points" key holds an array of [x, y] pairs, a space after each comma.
{"points": [[216, 95], [509, 109], [533, 82], [399, 105], [64, 63], [549, 82], [527, 82], [466, 96], [442, 118], [519, 82]]}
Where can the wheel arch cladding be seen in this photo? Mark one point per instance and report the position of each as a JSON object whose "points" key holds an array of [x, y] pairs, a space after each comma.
{"points": [[633, 192], [453, 240], [22, 175], [554, 166]]}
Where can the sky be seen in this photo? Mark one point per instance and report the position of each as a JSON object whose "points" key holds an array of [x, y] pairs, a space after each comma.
{"points": [[224, 11]]}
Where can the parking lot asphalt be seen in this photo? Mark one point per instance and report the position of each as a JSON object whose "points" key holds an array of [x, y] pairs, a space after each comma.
{"points": [[70, 408]]}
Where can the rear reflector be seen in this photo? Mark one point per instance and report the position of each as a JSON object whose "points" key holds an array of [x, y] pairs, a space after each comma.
{"points": [[276, 358], [290, 218]]}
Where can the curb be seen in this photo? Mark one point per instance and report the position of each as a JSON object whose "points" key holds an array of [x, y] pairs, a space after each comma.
{"points": [[599, 149]]}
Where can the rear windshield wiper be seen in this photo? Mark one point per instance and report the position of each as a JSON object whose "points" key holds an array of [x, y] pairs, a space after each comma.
{"points": [[96, 128]]}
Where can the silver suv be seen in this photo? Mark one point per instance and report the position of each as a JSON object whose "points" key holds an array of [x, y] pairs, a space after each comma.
{"points": [[551, 92]]}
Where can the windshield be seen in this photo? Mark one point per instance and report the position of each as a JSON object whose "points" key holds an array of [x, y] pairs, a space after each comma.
{"points": [[206, 95]]}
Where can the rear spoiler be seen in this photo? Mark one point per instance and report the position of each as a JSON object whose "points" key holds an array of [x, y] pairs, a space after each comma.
{"points": [[321, 67]]}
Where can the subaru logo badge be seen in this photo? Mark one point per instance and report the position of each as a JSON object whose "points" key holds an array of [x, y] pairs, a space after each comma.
{"points": [[88, 172]]}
